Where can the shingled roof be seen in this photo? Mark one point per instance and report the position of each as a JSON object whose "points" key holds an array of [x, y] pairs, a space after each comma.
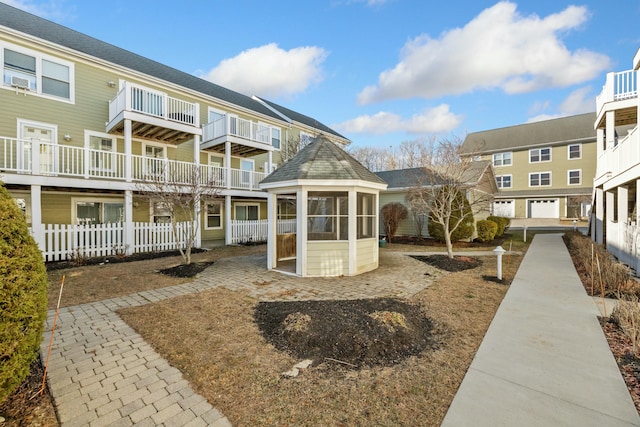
{"points": [[27, 23], [577, 128], [322, 160]]}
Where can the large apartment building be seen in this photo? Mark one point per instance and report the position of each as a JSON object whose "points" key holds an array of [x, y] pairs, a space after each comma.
{"points": [[83, 123], [617, 179], [543, 169]]}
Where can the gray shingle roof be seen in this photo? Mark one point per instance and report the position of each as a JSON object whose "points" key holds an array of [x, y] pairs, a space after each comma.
{"points": [[27, 23], [301, 118], [407, 178], [547, 132], [322, 160]]}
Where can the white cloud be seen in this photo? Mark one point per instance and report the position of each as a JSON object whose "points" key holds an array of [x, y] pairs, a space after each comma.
{"points": [[499, 48], [432, 120], [579, 101], [270, 71]]}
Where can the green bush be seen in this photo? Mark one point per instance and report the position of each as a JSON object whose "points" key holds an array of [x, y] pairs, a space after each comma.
{"points": [[502, 222], [460, 206], [486, 230], [23, 296]]}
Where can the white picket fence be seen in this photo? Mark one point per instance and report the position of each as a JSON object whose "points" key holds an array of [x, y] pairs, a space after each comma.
{"points": [[68, 241], [256, 231]]}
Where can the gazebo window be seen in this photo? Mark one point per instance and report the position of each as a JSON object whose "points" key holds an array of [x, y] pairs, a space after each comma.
{"points": [[328, 216], [366, 215]]}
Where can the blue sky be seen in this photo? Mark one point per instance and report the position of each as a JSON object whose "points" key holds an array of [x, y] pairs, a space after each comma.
{"points": [[381, 71]]}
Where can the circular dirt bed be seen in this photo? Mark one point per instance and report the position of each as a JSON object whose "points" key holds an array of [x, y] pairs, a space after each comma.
{"points": [[443, 262], [357, 333]]}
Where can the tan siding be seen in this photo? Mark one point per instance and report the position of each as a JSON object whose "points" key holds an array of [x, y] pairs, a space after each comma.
{"points": [[367, 255], [407, 226], [327, 258]]}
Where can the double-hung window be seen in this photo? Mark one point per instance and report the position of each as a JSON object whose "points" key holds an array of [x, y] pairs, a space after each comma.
{"points": [[275, 138], [540, 179], [503, 181], [575, 151], [575, 177], [540, 155], [366, 215], [502, 159], [214, 215], [37, 73]]}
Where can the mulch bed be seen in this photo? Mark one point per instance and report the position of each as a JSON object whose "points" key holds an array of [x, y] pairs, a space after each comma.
{"points": [[443, 262], [25, 407], [186, 270], [113, 259], [355, 333]]}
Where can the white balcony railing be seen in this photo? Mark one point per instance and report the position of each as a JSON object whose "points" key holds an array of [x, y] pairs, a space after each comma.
{"points": [[624, 155], [49, 159], [154, 103], [245, 231], [619, 86], [229, 125]]}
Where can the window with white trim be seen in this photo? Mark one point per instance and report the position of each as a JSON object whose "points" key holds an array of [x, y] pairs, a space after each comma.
{"points": [[503, 181], [537, 155], [160, 212], [98, 212], [102, 151], [502, 159], [540, 179], [328, 215], [365, 215], [275, 138], [247, 212], [213, 212], [37, 73], [574, 151], [574, 177]]}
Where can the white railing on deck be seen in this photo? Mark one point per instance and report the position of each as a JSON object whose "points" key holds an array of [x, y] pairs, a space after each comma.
{"points": [[624, 155], [69, 241], [618, 86], [229, 125], [49, 159], [257, 230], [154, 103]]}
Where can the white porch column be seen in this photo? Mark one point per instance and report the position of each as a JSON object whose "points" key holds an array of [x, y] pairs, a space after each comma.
{"points": [[611, 242], [37, 227], [129, 241], [227, 162], [353, 230], [376, 228], [128, 152], [227, 220], [269, 163], [599, 217], [623, 201], [272, 219], [301, 229], [197, 241], [611, 129]]}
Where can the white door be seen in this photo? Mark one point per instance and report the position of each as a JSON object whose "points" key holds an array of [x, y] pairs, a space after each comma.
{"points": [[246, 166], [544, 208], [505, 208], [45, 136], [154, 162]]}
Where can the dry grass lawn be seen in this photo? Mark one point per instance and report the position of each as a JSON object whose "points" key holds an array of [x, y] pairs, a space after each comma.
{"points": [[213, 339]]}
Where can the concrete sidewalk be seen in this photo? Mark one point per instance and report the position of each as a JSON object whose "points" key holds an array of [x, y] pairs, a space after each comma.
{"points": [[544, 360]]}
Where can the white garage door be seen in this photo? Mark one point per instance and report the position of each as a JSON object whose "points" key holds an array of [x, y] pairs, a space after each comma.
{"points": [[506, 208], [544, 208]]}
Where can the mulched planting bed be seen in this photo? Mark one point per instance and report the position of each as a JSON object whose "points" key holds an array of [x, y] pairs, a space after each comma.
{"points": [[186, 270], [113, 259], [356, 333], [443, 262]]}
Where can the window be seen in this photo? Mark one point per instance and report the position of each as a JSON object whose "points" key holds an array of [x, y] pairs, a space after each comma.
{"points": [[540, 155], [503, 181], [287, 209], [575, 151], [305, 139], [102, 149], [247, 212], [327, 216], [575, 177], [366, 215], [37, 73], [89, 212], [275, 138], [541, 179], [214, 216], [160, 212], [502, 159]]}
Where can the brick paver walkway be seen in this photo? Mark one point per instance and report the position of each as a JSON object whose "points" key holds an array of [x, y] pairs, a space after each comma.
{"points": [[101, 372]]}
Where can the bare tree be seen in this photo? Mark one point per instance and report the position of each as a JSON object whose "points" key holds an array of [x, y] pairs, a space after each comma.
{"points": [[291, 147], [392, 215], [180, 190], [452, 175]]}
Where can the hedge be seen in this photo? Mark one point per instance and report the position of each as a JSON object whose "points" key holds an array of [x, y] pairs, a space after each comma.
{"points": [[486, 230], [464, 230], [23, 297], [502, 222]]}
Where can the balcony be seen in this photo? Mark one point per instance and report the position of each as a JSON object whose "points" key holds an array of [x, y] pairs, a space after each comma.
{"points": [[246, 138], [615, 161], [621, 88], [154, 115], [26, 157]]}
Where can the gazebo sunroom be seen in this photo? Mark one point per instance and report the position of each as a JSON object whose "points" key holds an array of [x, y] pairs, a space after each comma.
{"points": [[334, 203]]}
